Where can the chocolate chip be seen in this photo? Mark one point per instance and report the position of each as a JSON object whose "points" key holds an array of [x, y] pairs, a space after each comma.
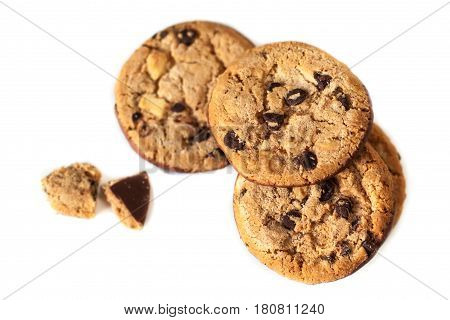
{"points": [[143, 129], [220, 152], [178, 107], [323, 80], [342, 98], [295, 97], [187, 36], [369, 244], [331, 258], [163, 34], [136, 116], [216, 153], [232, 141], [273, 85], [287, 222], [343, 207], [274, 120], [203, 133], [308, 160], [327, 189], [345, 248], [345, 101], [293, 213]]}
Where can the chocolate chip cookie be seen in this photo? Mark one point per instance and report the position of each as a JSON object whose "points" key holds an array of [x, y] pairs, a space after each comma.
{"points": [[289, 114], [72, 190], [321, 232], [387, 151], [130, 199], [163, 90]]}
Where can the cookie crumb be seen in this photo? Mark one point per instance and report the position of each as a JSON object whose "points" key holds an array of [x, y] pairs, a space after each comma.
{"points": [[72, 190]]}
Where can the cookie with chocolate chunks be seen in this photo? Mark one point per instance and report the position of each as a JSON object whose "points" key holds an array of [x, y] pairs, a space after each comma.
{"points": [[321, 232], [163, 90], [130, 198], [289, 114]]}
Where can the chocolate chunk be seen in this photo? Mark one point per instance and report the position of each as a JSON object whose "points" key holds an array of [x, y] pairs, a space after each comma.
{"points": [[327, 189], [342, 98], [294, 213], [178, 107], [308, 160], [345, 248], [136, 116], [295, 97], [273, 85], [274, 120], [287, 222], [187, 36], [232, 141], [343, 207], [323, 80], [370, 244], [134, 192], [203, 133]]}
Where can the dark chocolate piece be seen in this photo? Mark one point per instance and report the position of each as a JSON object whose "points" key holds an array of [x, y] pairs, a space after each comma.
{"points": [[327, 189], [295, 97], [134, 192], [323, 80], [233, 141], [308, 160]]}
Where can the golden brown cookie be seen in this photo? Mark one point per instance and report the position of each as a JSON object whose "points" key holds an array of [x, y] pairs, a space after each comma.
{"points": [[322, 232], [72, 190], [289, 114], [387, 151], [163, 90]]}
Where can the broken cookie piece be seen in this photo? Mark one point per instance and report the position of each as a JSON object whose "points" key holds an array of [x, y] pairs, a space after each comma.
{"points": [[129, 198], [72, 190]]}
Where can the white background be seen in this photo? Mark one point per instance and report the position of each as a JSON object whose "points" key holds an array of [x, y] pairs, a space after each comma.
{"points": [[56, 108]]}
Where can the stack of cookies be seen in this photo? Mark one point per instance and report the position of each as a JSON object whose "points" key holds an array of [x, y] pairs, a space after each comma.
{"points": [[318, 186]]}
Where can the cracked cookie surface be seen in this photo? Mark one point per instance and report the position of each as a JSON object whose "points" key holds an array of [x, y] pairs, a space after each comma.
{"points": [[322, 232], [388, 152], [289, 114], [163, 90]]}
